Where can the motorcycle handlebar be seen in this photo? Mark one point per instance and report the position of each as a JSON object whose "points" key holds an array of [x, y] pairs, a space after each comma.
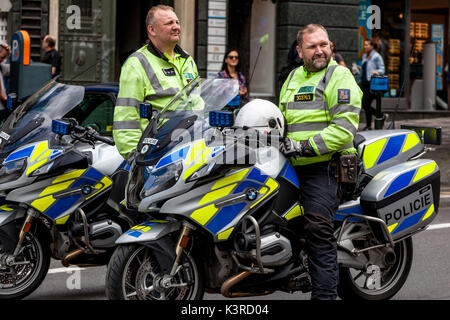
{"points": [[92, 135], [104, 139]]}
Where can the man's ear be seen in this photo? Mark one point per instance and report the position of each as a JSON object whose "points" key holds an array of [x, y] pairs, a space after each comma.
{"points": [[299, 51], [150, 30]]}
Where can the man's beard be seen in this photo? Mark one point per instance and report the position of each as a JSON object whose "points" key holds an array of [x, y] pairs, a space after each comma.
{"points": [[317, 63]]}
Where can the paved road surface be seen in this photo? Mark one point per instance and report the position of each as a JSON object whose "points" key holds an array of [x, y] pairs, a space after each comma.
{"points": [[429, 277]]}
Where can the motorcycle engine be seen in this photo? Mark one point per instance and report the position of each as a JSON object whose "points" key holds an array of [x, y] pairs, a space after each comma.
{"points": [[276, 249]]}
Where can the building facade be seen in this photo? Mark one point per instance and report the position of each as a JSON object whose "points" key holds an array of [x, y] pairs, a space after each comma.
{"points": [[96, 36]]}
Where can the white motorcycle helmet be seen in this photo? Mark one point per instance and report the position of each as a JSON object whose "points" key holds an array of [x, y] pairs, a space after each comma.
{"points": [[261, 115]]}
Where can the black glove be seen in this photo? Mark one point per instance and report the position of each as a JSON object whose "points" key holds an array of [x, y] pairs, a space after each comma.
{"points": [[293, 148]]}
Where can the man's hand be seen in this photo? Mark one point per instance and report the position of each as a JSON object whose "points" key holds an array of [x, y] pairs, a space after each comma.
{"points": [[293, 148]]}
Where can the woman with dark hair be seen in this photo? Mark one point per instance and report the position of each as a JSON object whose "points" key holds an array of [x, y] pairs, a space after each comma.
{"points": [[231, 69], [372, 64]]}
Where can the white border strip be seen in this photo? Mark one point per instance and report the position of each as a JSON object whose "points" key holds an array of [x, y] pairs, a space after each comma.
{"points": [[438, 226]]}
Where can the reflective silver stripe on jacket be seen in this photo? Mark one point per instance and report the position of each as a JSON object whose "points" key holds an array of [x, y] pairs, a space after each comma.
{"points": [[318, 103], [126, 125], [307, 105], [128, 102], [307, 126], [320, 144], [341, 108], [154, 81], [345, 124]]}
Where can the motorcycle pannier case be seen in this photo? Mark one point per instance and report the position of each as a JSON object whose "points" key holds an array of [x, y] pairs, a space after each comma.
{"points": [[405, 196]]}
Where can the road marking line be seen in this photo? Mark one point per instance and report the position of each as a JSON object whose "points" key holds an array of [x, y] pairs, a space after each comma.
{"points": [[64, 270], [438, 226]]}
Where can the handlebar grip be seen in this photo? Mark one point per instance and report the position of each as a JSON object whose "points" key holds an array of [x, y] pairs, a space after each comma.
{"points": [[104, 139]]}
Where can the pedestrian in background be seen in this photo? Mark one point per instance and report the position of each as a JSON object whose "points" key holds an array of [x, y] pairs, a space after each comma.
{"points": [[292, 61], [372, 64], [51, 55], [153, 74], [336, 55], [231, 69], [5, 51]]}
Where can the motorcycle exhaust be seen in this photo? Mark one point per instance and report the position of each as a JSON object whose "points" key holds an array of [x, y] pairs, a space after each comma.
{"points": [[231, 282], [389, 256], [70, 256]]}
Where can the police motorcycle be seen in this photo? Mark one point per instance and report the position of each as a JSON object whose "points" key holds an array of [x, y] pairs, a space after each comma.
{"points": [[226, 212], [61, 186]]}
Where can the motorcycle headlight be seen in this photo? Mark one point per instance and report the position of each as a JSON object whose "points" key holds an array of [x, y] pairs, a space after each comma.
{"points": [[12, 170], [161, 179]]}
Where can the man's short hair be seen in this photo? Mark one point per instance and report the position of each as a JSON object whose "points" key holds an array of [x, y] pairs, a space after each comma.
{"points": [[5, 46], [50, 40], [151, 13], [310, 28]]}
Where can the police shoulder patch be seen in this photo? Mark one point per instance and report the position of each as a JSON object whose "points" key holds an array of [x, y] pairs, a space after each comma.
{"points": [[343, 95]]}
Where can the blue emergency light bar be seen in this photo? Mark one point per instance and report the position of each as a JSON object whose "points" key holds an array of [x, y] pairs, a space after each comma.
{"points": [[221, 119], [379, 84], [60, 127], [145, 110]]}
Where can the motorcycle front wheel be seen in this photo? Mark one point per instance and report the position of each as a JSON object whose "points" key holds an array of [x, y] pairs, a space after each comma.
{"points": [[134, 273], [21, 279], [376, 283]]}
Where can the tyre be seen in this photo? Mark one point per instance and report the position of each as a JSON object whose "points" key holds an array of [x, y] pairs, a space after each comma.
{"points": [[135, 273], [377, 284], [20, 280]]}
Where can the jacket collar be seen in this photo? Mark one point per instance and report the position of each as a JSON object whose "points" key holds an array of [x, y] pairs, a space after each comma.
{"points": [[155, 51]]}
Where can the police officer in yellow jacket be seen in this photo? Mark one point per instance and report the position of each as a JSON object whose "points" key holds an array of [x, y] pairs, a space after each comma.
{"points": [[321, 103], [153, 74]]}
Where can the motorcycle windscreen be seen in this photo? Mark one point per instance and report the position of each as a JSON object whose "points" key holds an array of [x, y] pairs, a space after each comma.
{"points": [[31, 121], [184, 118]]}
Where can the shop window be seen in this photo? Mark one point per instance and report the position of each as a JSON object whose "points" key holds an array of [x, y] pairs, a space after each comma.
{"points": [[85, 7], [390, 39]]}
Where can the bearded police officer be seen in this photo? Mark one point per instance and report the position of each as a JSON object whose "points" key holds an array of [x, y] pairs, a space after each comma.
{"points": [[321, 103], [153, 74]]}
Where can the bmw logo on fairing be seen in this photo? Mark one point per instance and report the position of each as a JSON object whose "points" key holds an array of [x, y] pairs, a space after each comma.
{"points": [[87, 189], [252, 194]]}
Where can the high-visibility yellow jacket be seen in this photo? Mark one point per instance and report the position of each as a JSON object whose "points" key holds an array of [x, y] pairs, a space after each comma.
{"points": [[148, 76], [322, 107]]}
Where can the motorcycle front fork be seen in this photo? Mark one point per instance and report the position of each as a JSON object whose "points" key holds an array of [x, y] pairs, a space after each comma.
{"points": [[31, 214], [183, 240]]}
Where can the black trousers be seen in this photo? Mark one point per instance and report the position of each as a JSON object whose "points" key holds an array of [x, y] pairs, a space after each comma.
{"points": [[367, 99], [319, 196]]}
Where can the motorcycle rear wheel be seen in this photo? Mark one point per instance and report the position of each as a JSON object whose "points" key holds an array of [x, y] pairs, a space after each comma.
{"points": [[382, 284], [19, 281], [134, 273]]}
